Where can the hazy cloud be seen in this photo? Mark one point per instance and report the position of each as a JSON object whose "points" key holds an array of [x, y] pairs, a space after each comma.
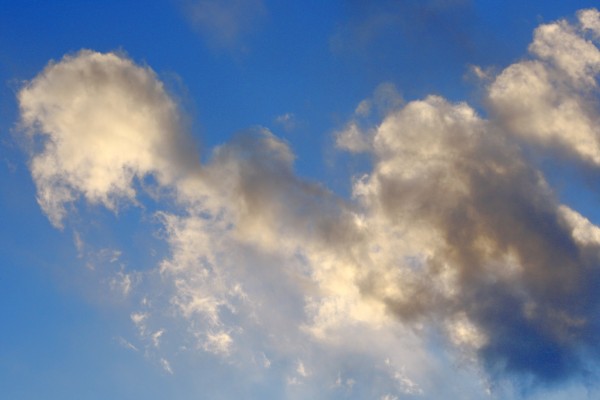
{"points": [[224, 23], [418, 23], [287, 121], [358, 132]]}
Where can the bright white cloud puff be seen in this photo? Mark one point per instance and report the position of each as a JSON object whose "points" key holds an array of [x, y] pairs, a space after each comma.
{"points": [[101, 121]]}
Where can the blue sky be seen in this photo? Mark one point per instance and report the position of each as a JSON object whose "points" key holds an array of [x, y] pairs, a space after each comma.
{"points": [[276, 200]]}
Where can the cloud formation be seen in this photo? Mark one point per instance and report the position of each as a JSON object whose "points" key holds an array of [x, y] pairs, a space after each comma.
{"points": [[454, 230], [100, 122], [551, 98], [482, 237]]}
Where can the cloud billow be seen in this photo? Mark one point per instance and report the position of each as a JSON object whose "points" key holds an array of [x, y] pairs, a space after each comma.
{"points": [[489, 232], [102, 121], [454, 227]]}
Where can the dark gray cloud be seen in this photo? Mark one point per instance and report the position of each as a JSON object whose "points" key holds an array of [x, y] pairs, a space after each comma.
{"points": [[486, 217]]}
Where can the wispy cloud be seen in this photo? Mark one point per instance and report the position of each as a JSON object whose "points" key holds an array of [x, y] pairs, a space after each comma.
{"points": [[426, 24], [166, 365], [287, 121], [225, 23], [454, 230], [126, 344]]}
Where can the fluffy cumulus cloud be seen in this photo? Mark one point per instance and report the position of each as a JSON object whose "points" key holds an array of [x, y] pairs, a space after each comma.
{"points": [[486, 246], [452, 248], [550, 99], [100, 121]]}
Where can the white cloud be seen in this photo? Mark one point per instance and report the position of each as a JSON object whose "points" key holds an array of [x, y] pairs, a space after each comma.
{"points": [[483, 74], [122, 282], [218, 343], [560, 44], [548, 100], [583, 230], [265, 361], [156, 337], [355, 137], [166, 365], [102, 122], [126, 344], [301, 370], [347, 384], [590, 20], [384, 100], [464, 333], [287, 121], [139, 320], [352, 138], [79, 244]]}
